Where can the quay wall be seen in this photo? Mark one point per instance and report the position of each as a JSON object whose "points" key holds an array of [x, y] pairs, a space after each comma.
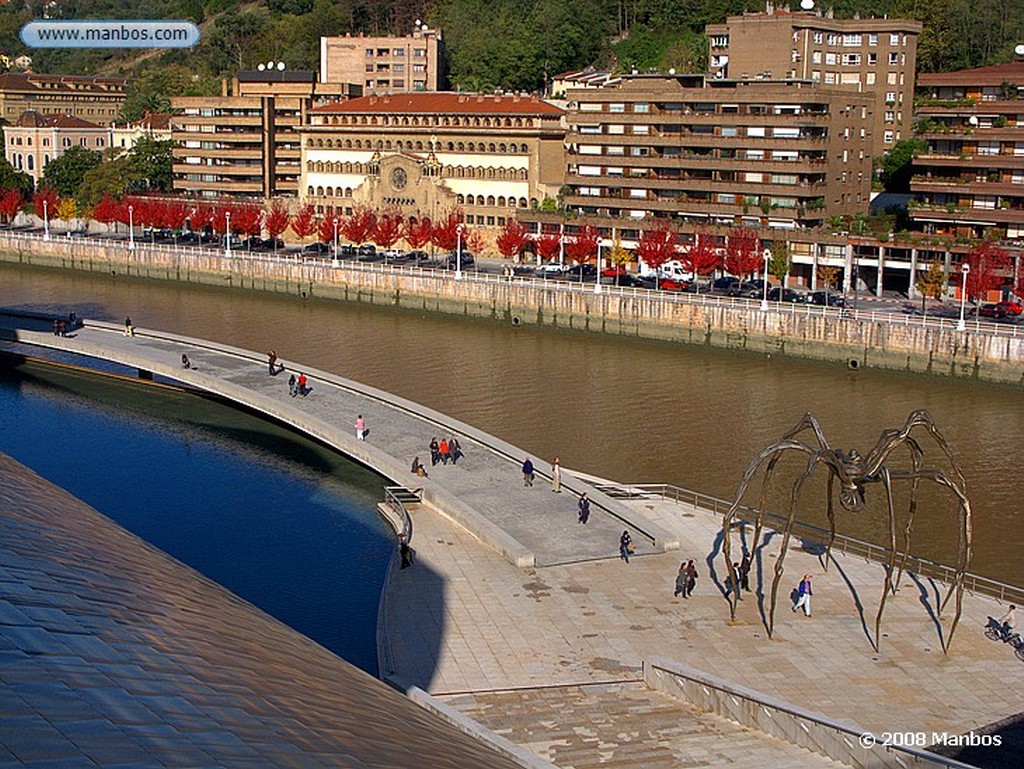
{"points": [[862, 339]]}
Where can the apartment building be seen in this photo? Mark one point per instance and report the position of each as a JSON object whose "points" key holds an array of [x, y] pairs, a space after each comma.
{"points": [[781, 154], [245, 142], [970, 179], [389, 64], [872, 55], [425, 153], [96, 99], [35, 139]]}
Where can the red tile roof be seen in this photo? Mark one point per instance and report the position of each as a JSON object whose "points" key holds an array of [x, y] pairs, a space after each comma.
{"points": [[26, 81], [32, 119], [153, 121], [997, 74], [443, 103]]}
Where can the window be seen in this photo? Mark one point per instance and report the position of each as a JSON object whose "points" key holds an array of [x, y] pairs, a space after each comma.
{"points": [[369, 67], [369, 52], [833, 39], [850, 78], [641, 130], [399, 83], [830, 78], [816, 57], [894, 38], [890, 78], [831, 58], [890, 97], [870, 78], [419, 52], [613, 128], [894, 59], [616, 107], [851, 59], [890, 116], [399, 69], [872, 58], [399, 52], [642, 107], [419, 67], [755, 130], [818, 38], [719, 41], [816, 76], [872, 39], [592, 129], [887, 137], [852, 41]]}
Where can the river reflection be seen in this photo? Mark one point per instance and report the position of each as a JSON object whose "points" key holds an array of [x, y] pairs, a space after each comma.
{"points": [[623, 409]]}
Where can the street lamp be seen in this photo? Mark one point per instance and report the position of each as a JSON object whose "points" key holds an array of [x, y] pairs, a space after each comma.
{"points": [[597, 278], [227, 233], [767, 259], [46, 220], [334, 262], [965, 269], [458, 252], [131, 228]]}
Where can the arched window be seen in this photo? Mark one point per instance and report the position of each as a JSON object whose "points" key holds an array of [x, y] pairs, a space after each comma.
{"points": [[387, 144], [461, 147], [490, 200], [501, 200], [334, 120], [309, 191], [348, 192], [490, 147], [309, 142], [309, 165], [460, 200], [319, 142], [419, 145], [348, 144], [522, 202], [502, 148], [31, 163], [319, 190]]}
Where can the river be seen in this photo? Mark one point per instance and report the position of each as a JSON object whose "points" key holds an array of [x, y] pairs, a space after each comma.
{"points": [[624, 409]]}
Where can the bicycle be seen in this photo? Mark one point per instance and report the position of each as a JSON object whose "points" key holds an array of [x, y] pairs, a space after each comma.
{"points": [[995, 631]]}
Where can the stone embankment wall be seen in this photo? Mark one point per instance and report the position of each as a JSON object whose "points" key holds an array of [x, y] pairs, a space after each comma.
{"points": [[872, 340]]}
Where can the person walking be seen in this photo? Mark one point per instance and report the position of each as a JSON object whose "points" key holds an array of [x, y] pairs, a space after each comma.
{"points": [[732, 581], [584, 508], [625, 546], [556, 477], [185, 362], [527, 472], [405, 551], [805, 594], [129, 329], [745, 571], [361, 428], [454, 449], [435, 451], [300, 385], [272, 362], [293, 388], [445, 451], [691, 578], [681, 579]]}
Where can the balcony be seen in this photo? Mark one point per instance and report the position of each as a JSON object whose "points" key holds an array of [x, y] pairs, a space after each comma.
{"points": [[685, 185], [969, 186], [974, 160], [693, 207], [982, 216]]}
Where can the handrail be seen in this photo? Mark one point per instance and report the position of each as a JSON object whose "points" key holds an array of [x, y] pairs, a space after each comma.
{"points": [[1001, 591], [396, 504], [383, 638]]}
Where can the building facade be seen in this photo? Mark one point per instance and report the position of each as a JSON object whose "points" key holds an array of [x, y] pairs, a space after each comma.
{"points": [[869, 55], [783, 154], [246, 141], [156, 126], [425, 153], [389, 64], [96, 99], [970, 179], [35, 139]]}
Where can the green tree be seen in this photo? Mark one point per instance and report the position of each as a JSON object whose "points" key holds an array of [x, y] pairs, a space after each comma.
{"points": [[65, 172], [15, 180], [778, 263], [110, 177], [896, 166], [931, 284], [150, 164]]}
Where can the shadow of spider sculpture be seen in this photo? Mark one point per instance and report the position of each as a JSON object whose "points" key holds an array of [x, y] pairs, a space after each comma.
{"points": [[853, 472]]}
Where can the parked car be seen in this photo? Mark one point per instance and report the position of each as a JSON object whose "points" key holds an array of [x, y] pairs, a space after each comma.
{"points": [[991, 310], [582, 272], [369, 253], [395, 256], [619, 275], [1012, 307], [417, 257], [552, 268], [749, 288], [826, 298], [674, 284], [785, 294], [466, 259], [725, 283], [318, 248]]}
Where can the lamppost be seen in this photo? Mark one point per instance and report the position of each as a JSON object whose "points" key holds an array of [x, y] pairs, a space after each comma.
{"points": [[965, 270], [597, 278], [46, 220], [767, 259], [227, 233], [334, 261], [131, 228], [458, 252]]}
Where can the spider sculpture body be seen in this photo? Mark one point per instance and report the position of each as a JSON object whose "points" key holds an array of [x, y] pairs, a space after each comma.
{"points": [[853, 472]]}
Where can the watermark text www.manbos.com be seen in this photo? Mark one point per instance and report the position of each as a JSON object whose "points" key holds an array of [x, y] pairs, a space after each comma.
{"points": [[929, 739], [110, 34]]}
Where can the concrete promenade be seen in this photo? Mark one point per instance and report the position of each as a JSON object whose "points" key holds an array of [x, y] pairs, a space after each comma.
{"points": [[566, 630]]}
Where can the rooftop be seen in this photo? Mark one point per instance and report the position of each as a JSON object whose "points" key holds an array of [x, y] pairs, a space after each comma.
{"points": [[993, 75], [32, 119], [443, 103]]}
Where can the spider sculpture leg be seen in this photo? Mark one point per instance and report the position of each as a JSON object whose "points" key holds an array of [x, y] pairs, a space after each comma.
{"points": [[812, 465], [916, 457], [891, 566]]}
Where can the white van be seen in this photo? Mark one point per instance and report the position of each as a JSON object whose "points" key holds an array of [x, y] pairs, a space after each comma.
{"points": [[672, 269]]}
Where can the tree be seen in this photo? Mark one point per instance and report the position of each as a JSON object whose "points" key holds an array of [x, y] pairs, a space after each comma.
{"points": [[200, 218], [702, 258], [931, 284], [548, 246], [444, 234], [108, 210], [110, 177], [45, 202], [656, 246], [742, 253], [64, 173], [387, 228], [514, 235], [328, 228], [150, 166], [583, 245], [896, 166], [619, 255], [417, 231], [247, 218], [778, 262], [359, 226], [15, 180], [276, 221], [304, 223], [828, 275], [989, 265], [11, 204]]}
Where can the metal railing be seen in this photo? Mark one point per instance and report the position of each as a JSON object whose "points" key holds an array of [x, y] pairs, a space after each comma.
{"points": [[396, 497], [819, 536]]}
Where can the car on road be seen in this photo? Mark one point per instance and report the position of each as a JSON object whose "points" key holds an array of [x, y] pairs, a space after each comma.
{"points": [[318, 248], [582, 272], [465, 260], [619, 275], [826, 299], [725, 283], [785, 294], [991, 310], [551, 268], [1012, 307], [369, 253], [395, 256], [749, 288]]}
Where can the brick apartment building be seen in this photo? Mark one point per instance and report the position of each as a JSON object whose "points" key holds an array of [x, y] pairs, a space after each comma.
{"points": [[970, 179], [245, 142], [390, 64], [783, 154], [868, 55]]}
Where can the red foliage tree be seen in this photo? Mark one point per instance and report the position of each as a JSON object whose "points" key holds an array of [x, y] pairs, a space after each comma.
{"points": [[387, 229], [548, 246], [702, 258], [10, 204], [200, 218], [49, 196], [304, 223], [247, 219], [219, 222], [473, 240], [417, 231], [276, 221], [108, 210], [742, 253], [657, 245], [359, 226], [583, 245], [175, 215], [326, 229], [141, 214], [514, 235], [444, 234], [990, 267], [157, 210]]}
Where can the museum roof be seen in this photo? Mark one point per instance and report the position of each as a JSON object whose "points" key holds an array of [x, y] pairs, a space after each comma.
{"points": [[443, 103]]}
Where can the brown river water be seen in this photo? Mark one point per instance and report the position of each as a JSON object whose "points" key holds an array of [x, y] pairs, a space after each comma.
{"points": [[623, 409]]}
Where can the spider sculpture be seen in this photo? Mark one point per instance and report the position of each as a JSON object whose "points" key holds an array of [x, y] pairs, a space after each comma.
{"points": [[853, 472]]}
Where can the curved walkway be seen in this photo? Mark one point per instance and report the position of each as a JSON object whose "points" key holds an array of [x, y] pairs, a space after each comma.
{"points": [[484, 492]]}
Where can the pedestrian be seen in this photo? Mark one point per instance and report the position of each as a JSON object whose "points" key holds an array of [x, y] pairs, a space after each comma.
{"points": [[445, 450], [527, 472], [556, 477], [129, 329], [185, 362], [732, 581], [584, 507], [745, 571], [805, 594], [62, 328], [681, 579], [435, 451], [418, 469], [691, 578], [455, 449], [293, 388], [405, 551], [272, 362], [361, 430], [300, 385], [56, 328], [625, 546]]}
